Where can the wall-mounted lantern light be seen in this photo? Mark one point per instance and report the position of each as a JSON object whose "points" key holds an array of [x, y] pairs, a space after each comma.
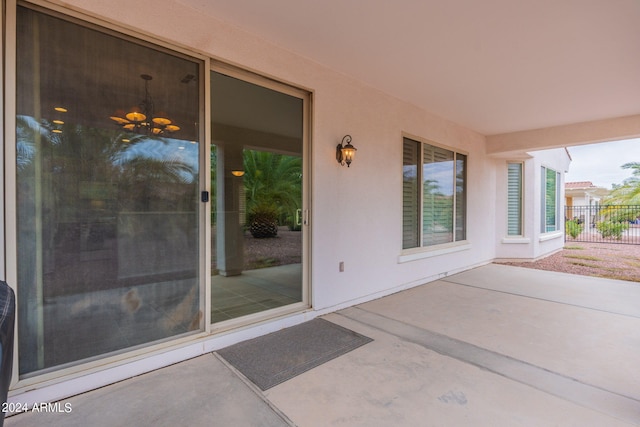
{"points": [[237, 173], [345, 152]]}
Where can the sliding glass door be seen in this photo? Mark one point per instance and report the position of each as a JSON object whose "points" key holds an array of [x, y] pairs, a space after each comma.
{"points": [[107, 180], [257, 182], [112, 237]]}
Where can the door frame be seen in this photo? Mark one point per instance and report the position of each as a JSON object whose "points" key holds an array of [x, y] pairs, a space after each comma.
{"points": [[305, 96]]}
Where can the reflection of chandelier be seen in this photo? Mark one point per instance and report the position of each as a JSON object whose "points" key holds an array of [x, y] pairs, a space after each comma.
{"points": [[141, 119]]}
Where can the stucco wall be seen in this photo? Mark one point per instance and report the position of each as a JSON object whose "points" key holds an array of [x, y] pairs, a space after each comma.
{"points": [[356, 211], [533, 243]]}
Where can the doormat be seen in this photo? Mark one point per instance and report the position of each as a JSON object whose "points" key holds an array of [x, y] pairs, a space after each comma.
{"points": [[277, 357]]}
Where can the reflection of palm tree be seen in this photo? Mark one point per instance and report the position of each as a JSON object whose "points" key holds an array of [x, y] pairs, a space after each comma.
{"points": [[143, 178], [437, 209], [274, 179], [85, 175], [430, 187], [170, 170], [26, 130], [83, 154]]}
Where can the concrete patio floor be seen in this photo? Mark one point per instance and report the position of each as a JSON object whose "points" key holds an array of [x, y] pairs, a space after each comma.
{"points": [[493, 346]]}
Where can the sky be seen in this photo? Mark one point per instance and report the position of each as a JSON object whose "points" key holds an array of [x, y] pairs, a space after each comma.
{"points": [[600, 163]]}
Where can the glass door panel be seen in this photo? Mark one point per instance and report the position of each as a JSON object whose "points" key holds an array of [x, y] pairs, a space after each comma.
{"points": [[107, 184], [256, 174]]}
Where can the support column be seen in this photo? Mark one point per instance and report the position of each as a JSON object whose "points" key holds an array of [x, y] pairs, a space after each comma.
{"points": [[230, 217]]}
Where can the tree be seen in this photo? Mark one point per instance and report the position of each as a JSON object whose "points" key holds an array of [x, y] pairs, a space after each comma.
{"points": [[273, 179], [627, 193]]}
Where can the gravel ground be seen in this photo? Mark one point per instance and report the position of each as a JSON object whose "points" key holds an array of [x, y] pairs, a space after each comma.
{"points": [[614, 261], [285, 248]]}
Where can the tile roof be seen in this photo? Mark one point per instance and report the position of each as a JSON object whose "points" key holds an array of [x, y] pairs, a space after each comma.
{"points": [[578, 184]]}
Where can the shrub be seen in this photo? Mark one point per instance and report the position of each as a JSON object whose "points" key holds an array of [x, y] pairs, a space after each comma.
{"points": [[612, 229], [263, 220], [573, 228]]}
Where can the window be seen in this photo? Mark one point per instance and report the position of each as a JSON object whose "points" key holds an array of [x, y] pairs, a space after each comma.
{"points": [[514, 199], [433, 195], [550, 202]]}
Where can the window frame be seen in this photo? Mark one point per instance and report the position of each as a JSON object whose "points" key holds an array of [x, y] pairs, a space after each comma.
{"points": [[456, 243], [519, 201]]}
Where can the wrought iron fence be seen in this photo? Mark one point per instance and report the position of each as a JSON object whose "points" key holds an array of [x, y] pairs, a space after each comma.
{"points": [[603, 224]]}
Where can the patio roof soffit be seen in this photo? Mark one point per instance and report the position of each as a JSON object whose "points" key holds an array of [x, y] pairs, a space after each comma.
{"points": [[509, 144]]}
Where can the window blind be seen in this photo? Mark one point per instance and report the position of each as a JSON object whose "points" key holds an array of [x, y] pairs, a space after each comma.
{"points": [[410, 201], [433, 195], [461, 197], [514, 199]]}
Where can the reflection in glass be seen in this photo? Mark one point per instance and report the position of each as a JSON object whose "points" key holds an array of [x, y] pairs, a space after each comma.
{"points": [[461, 197], [107, 218], [410, 196], [550, 184], [437, 195], [256, 170]]}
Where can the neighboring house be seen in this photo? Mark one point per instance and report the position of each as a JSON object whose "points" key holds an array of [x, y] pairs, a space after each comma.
{"points": [[584, 193], [582, 201], [143, 139]]}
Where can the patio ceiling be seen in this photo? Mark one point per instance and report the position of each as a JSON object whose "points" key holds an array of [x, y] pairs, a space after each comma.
{"points": [[495, 66]]}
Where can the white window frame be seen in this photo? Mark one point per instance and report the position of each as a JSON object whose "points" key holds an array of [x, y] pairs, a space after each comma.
{"points": [[519, 186], [422, 250], [544, 227]]}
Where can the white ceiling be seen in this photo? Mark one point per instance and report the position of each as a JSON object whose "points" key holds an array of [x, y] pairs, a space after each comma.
{"points": [[494, 66]]}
